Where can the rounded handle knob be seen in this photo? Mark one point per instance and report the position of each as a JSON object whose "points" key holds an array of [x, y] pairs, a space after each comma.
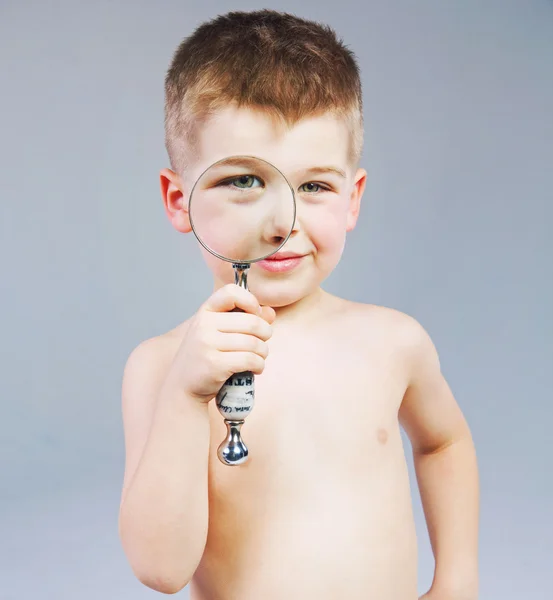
{"points": [[235, 401], [233, 451]]}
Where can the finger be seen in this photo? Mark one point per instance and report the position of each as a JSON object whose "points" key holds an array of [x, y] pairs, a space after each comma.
{"points": [[268, 313], [230, 297], [238, 362], [236, 322], [239, 342]]}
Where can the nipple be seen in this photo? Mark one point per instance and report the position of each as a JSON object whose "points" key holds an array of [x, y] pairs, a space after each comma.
{"points": [[233, 451]]}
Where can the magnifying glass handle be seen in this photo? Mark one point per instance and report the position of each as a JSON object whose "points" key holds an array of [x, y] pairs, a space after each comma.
{"points": [[235, 399]]}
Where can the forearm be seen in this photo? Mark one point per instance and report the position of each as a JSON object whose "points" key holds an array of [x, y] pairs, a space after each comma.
{"points": [[448, 483], [164, 514]]}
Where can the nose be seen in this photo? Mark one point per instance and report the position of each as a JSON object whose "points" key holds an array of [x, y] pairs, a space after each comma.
{"points": [[281, 219]]}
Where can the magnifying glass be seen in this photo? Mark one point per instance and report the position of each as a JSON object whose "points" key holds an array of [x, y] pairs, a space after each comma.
{"points": [[242, 210]]}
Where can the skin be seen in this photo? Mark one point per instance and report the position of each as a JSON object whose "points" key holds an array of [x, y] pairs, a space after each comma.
{"points": [[323, 508]]}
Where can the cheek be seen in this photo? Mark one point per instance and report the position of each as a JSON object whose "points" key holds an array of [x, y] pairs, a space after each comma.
{"points": [[221, 269], [326, 225]]}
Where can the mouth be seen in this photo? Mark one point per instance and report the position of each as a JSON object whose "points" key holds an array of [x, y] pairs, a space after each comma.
{"points": [[284, 255], [281, 262]]}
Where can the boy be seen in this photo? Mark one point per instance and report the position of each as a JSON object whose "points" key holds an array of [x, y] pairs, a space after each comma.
{"points": [[322, 508]]}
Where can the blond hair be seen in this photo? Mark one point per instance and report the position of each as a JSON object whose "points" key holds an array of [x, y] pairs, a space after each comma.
{"points": [[286, 66]]}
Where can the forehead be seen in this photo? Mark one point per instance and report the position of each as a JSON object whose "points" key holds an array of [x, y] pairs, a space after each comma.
{"points": [[314, 141]]}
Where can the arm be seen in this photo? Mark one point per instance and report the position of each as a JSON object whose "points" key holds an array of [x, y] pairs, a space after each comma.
{"points": [[163, 518], [446, 469], [167, 386]]}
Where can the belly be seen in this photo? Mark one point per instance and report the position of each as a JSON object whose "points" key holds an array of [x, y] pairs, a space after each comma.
{"points": [[302, 523]]}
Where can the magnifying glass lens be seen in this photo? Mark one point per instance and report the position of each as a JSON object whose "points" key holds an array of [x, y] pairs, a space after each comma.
{"points": [[242, 209]]}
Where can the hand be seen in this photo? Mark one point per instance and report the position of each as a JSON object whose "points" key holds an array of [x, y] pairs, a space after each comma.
{"points": [[219, 343]]}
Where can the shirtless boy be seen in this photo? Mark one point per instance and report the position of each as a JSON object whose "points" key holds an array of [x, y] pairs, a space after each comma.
{"points": [[322, 509]]}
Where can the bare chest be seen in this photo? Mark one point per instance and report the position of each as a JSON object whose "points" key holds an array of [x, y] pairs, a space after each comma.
{"points": [[326, 470], [323, 417]]}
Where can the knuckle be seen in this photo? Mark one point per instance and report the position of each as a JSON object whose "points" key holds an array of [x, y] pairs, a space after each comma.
{"points": [[246, 322], [256, 363], [238, 290], [260, 365], [215, 361], [263, 329], [263, 349], [229, 291]]}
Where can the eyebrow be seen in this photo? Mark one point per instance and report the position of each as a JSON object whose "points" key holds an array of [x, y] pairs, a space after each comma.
{"points": [[249, 162], [320, 170]]}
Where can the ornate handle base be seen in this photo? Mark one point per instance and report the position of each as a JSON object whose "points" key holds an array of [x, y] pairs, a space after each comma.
{"points": [[233, 451]]}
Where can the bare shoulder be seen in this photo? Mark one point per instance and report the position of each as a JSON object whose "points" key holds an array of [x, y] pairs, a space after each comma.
{"points": [[149, 362], [386, 326], [374, 316]]}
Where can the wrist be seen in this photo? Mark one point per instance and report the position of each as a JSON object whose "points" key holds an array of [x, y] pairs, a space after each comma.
{"points": [[173, 398]]}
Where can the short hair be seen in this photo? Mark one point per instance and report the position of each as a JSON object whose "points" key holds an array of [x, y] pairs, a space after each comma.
{"points": [[287, 66]]}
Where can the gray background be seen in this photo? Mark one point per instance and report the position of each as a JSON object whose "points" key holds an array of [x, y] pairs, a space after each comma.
{"points": [[455, 230]]}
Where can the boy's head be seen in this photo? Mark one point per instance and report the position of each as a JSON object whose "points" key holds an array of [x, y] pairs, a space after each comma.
{"points": [[285, 89]]}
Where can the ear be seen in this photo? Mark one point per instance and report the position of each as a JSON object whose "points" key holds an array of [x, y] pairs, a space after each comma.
{"points": [[175, 200], [355, 198]]}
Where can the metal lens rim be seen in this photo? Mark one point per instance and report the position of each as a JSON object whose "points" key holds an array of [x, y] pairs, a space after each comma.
{"points": [[225, 258]]}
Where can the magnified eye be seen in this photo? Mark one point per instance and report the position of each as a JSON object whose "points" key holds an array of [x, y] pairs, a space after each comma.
{"points": [[244, 182]]}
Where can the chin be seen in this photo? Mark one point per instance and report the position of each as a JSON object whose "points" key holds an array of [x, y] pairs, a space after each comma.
{"points": [[277, 291], [278, 294], [279, 299]]}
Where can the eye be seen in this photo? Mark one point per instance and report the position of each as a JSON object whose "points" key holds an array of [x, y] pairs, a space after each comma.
{"points": [[243, 182], [312, 188]]}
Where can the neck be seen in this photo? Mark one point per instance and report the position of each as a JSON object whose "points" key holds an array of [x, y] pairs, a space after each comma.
{"points": [[305, 309]]}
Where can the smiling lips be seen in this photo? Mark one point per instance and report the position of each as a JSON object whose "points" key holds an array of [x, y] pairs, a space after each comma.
{"points": [[281, 262]]}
